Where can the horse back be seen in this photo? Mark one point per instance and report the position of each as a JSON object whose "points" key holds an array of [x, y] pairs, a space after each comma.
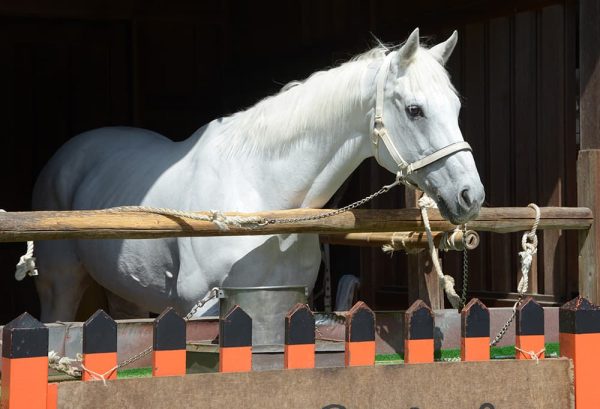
{"points": [[92, 168]]}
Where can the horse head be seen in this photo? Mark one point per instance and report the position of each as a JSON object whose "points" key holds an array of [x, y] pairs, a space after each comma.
{"points": [[416, 116]]}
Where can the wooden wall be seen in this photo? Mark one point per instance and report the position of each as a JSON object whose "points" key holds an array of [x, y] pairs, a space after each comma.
{"points": [[172, 66]]}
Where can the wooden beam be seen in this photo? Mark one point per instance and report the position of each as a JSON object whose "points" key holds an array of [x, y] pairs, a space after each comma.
{"points": [[90, 224], [411, 241], [588, 192], [589, 73], [588, 161]]}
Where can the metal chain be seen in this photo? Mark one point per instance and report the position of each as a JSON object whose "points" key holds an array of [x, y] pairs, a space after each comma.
{"points": [[135, 358], [212, 294], [344, 209], [502, 332], [465, 277]]}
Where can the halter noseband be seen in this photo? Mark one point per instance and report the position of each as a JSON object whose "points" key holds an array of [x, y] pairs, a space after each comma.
{"points": [[380, 132]]}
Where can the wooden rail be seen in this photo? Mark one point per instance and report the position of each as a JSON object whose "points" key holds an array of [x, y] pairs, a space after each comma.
{"points": [[407, 241], [89, 224]]}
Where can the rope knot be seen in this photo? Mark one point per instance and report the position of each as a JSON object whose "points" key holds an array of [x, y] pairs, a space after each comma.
{"points": [[26, 265], [532, 354]]}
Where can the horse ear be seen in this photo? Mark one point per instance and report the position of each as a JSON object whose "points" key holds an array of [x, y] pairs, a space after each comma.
{"points": [[410, 47], [442, 51]]}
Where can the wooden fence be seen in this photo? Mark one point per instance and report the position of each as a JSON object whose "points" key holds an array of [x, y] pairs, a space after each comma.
{"points": [[25, 362]]}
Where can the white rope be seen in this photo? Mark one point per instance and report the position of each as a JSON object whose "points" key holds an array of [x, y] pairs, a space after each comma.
{"points": [[100, 376], [532, 354], [26, 265], [222, 221], [446, 281], [64, 364], [529, 244]]}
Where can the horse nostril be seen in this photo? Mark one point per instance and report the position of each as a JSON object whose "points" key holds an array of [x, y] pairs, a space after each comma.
{"points": [[465, 195]]}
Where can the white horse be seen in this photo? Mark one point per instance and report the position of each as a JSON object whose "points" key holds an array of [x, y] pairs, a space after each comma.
{"points": [[290, 150]]}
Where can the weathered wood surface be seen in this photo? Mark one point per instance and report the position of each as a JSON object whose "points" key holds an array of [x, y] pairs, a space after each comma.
{"points": [[465, 385], [588, 171], [407, 241], [89, 224], [588, 162]]}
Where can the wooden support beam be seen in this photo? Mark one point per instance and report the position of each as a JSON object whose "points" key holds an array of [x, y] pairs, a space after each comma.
{"points": [[418, 334], [529, 331], [299, 349], [99, 347], [24, 383], [579, 335], [235, 341], [588, 161], [90, 224], [360, 336], [475, 332], [410, 242], [588, 193], [168, 344]]}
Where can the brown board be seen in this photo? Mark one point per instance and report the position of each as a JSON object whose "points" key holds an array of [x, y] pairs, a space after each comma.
{"points": [[486, 385]]}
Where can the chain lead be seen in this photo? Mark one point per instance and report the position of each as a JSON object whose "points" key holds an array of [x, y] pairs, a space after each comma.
{"points": [[465, 283], [344, 209], [212, 294]]}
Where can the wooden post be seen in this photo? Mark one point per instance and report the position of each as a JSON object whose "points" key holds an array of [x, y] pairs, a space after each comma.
{"points": [[168, 355], [529, 330], [360, 336], [423, 282], [235, 341], [579, 337], [299, 350], [24, 364], [418, 333], [475, 332], [588, 193], [588, 161], [99, 347]]}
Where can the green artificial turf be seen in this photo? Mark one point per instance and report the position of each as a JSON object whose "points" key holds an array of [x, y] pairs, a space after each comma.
{"points": [[384, 359], [507, 352], [134, 373]]}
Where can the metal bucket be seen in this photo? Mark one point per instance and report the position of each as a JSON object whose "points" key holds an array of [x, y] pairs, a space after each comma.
{"points": [[267, 306]]}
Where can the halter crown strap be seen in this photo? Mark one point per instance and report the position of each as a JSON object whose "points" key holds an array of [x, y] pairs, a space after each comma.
{"points": [[380, 132]]}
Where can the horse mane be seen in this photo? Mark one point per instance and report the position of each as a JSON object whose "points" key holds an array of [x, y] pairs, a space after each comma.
{"points": [[321, 101]]}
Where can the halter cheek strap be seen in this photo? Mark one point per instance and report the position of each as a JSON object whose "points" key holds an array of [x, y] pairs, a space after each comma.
{"points": [[380, 133]]}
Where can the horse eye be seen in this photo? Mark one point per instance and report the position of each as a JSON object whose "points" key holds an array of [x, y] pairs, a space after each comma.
{"points": [[414, 111]]}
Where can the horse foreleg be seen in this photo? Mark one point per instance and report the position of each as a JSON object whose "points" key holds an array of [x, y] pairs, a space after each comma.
{"points": [[61, 282], [59, 299], [120, 308]]}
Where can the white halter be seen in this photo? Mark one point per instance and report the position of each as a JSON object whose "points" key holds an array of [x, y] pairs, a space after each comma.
{"points": [[380, 132]]}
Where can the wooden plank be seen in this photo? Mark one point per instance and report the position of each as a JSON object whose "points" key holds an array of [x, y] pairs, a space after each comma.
{"points": [[571, 143], [588, 163], [474, 125], [588, 191], [465, 385], [402, 240], [524, 113], [589, 74], [551, 142], [499, 145], [48, 225]]}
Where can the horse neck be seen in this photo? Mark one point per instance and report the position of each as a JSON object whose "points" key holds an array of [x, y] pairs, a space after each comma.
{"points": [[296, 156]]}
